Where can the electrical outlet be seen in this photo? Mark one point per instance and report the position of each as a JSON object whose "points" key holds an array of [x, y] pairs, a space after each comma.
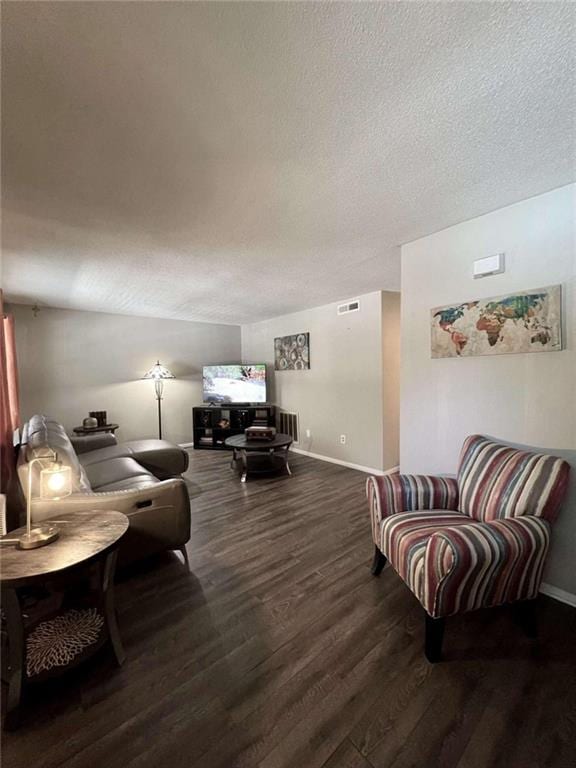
{"points": [[343, 439], [308, 434]]}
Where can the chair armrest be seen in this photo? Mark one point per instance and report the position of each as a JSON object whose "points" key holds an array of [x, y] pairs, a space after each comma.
{"points": [[483, 564], [85, 443], [389, 494]]}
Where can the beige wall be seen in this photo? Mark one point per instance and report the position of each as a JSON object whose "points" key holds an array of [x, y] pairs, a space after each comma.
{"points": [[390, 378], [527, 398], [342, 391], [72, 362]]}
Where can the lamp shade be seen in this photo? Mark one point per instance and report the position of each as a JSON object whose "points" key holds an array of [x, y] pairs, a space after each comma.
{"points": [[158, 371], [55, 481]]}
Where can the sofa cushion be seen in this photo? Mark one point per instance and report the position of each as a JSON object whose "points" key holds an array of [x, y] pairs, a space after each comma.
{"points": [[110, 471], [130, 483], [92, 441], [103, 454], [41, 434], [496, 481], [403, 540], [160, 457]]}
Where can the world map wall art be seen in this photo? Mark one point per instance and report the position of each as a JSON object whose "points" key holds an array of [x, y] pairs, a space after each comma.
{"points": [[529, 321]]}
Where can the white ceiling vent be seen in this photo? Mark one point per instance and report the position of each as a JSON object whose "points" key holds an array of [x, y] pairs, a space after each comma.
{"points": [[351, 306]]}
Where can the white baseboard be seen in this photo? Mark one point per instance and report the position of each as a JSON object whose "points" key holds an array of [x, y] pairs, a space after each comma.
{"points": [[558, 594], [349, 464], [342, 463], [545, 589]]}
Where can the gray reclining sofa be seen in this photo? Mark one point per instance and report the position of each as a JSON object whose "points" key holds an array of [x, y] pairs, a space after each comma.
{"points": [[141, 478]]}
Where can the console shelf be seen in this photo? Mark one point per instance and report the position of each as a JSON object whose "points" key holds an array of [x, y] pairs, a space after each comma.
{"points": [[212, 424]]}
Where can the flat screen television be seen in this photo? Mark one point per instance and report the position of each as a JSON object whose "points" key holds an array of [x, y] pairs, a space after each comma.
{"points": [[237, 383]]}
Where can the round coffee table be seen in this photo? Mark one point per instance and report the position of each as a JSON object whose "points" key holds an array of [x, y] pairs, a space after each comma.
{"points": [[265, 455], [41, 646]]}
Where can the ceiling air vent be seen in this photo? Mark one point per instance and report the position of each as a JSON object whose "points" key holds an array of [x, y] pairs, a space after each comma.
{"points": [[350, 306]]}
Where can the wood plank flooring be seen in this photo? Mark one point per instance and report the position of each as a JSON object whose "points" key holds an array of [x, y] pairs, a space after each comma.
{"points": [[280, 650]]}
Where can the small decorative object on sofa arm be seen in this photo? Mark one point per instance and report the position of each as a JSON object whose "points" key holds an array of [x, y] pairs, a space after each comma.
{"points": [[476, 541], [100, 416]]}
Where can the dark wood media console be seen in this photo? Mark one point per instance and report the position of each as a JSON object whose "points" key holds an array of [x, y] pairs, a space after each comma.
{"points": [[212, 424]]}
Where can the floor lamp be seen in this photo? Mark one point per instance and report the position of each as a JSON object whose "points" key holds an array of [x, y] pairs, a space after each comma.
{"points": [[158, 373]]}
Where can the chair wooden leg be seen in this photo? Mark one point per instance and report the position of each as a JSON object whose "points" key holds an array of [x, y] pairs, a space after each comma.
{"points": [[526, 617], [378, 563], [434, 636]]}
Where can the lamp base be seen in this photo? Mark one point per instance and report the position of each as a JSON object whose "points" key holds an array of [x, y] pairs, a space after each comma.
{"points": [[38, 537]]}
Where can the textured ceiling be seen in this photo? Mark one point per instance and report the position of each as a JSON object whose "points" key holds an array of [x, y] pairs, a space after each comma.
{"points": [[234, 161]]}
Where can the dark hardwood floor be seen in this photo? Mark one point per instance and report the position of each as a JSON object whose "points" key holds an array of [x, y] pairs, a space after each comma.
{"points": [[280, 650]]}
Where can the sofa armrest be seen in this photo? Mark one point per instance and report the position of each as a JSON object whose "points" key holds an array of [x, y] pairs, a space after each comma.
{"points": [[128, 501], [162, 458], [389, 494], [85, 443], [484, 564], [159, 515]]}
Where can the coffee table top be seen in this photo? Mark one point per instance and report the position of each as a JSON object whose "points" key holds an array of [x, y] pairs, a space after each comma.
{"points": [[83, 537], [239, 441]]}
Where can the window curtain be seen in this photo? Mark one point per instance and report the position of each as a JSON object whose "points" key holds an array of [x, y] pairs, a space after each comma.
{"points": [[9, 402]]}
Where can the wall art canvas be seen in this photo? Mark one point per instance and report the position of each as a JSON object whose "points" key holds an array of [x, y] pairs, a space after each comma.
{"points": [[527, 321], [292, 353]]}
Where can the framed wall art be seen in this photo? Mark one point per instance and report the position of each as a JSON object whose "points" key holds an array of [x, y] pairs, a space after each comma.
{"points": [[292, 353], [526, 321]]}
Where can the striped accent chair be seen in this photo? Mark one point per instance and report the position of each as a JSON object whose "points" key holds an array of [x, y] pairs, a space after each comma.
{"points": [[472, 542]]}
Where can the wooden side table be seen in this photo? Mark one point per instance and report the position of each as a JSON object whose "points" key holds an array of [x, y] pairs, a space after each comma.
{"points": [[39, 647], [93, 430]]}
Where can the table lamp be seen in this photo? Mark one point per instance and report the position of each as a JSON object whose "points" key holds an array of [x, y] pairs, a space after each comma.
{"points": [[55, 483], [158, 373]]}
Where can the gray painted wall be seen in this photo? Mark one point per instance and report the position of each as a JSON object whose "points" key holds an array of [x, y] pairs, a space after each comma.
{"points": [[390, 379], [342, 392], [529, 399], [72, 362]]}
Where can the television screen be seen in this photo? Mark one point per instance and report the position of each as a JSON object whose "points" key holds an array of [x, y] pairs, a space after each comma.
{"points": [[234, 383]]}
